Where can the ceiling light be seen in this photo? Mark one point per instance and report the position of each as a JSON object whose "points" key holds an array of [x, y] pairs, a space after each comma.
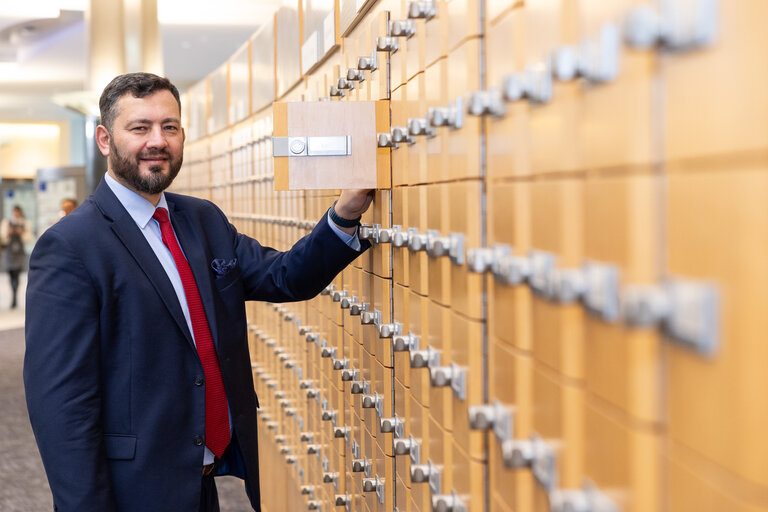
{"points": [[37, 11], [29, 130]]}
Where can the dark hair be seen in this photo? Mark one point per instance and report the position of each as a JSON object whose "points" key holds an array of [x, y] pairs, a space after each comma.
{"points": [[139, 85]]}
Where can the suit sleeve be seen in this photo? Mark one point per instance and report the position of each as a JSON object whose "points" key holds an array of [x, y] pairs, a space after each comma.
{"points": [[297, 274], [62, 376]]}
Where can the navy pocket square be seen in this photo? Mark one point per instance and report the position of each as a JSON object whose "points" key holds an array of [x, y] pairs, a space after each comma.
{"points": [[223, 267]]}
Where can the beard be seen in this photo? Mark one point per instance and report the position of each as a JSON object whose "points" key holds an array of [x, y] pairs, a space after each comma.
{"points": [[128, 170]]}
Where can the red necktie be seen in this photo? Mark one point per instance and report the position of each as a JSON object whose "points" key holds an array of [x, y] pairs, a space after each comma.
{"points": [[216, 415]]}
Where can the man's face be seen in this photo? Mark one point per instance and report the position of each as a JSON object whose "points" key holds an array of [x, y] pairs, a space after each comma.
{"points": [[146, 147]]}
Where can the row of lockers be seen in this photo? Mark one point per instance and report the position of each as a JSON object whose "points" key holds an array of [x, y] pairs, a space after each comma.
{"points": [[563, 305]]}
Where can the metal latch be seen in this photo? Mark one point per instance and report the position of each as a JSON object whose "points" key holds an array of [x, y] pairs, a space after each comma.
{"points": [[340, 145]]}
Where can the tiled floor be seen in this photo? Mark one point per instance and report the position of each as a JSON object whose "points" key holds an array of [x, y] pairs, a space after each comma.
{"points": [[23, 485]]}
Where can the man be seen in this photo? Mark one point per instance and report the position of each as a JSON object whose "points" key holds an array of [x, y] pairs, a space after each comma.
{"points": [[137, 372], [68, 205]]}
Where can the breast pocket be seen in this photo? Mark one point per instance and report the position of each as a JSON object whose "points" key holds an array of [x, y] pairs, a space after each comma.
{"points": [[226, 281]]}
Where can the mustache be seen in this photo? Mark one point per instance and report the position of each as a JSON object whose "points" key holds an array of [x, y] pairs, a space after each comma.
{"points": [[155, 154]]}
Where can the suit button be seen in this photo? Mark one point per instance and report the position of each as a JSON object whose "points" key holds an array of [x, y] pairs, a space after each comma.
{"points": [[199, 380], [198, 440]]}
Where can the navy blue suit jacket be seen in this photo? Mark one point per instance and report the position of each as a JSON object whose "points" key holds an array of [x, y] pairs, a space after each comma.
{"points": [[111, 371]]}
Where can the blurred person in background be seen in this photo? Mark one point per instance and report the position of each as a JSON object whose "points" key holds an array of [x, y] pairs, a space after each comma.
{"points": [[15, 233], [68, 205]]}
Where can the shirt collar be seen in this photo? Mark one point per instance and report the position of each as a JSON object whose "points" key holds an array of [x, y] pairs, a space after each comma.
{"points": [[138, 208]]}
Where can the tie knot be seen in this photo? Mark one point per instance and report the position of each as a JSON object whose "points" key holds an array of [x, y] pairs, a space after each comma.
{"points": [[160, 215]]}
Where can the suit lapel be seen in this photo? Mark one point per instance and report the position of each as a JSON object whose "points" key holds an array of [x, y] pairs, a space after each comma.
{"points": [[194, 250], [129, 234]]}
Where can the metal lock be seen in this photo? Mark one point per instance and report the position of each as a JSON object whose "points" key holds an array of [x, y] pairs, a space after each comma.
{"points": [[597, 59], [355, 75], [345, 84], [280, 439], [290, 364], [385, 140], [420, 126], [401, 134], [509, 269], [272, 384], [538, 83], [271, 342], [314, 505], [285, 404], [688, 312], [365, 232], [405, 342], [271, 425], [285, 450], [567, 285], [370, 317], [390, 425], [355, 309], [361, 466], [451, 116], [304, 329], [279, 395], [416, 241], [328, 289], [348, 374], [288, 316], [542, 265], [448, 503], [328, 416], [535, 454], [426, 473], [341, 500], [336, 295], [390, 330], [399, 237], [358, 387], [601, 295], [453, 376], [312, 337], [346, 302], [492, 416], [387, 44], [330, 477], [370, 401], [369, 484], [675, 26], [312, 393], [437, 246], [368, 63], [305, 384], [406, 447], [376, 485], [486, 103], [306, 437], [587, 499], [425, 358], [341, 432], [328, 352], [422, 10], [313, 449], [290, 412], [340, 364], [402, 28], [385, 235], [307, 490]]}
